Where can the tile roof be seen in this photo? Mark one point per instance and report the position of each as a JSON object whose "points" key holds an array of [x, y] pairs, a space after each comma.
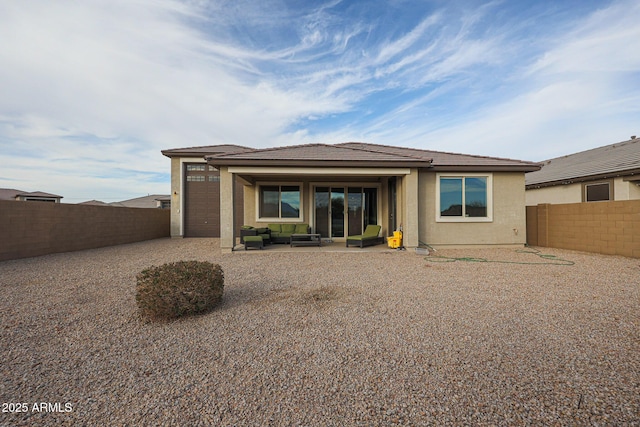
{"points": [[94, 203], [205, 150], [142, 202], [619, 159], [322, 153], [351, 154], [444, 160], [11, 194]]}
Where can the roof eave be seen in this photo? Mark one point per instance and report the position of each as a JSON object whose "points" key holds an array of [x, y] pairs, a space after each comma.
{"points": [[215, 161], [486, 168], [566, 181], [173, 153]]}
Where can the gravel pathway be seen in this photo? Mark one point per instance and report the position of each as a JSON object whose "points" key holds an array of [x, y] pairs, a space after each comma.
{"points": [[330, 339]]}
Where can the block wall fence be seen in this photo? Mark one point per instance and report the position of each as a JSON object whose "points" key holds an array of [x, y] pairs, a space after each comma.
{"points": [[30, 229], [611, 228]]}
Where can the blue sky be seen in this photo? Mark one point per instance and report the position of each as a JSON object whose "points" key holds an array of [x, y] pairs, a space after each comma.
{"points": [[91, 91]]}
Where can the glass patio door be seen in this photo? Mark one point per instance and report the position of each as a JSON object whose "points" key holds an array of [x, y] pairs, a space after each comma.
{"points": [[340, 211], [337, 212], [329, 211]]}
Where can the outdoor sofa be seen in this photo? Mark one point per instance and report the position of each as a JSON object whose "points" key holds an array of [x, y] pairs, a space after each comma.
{"points": [[274, 233], [247, 231], [281, 232]]}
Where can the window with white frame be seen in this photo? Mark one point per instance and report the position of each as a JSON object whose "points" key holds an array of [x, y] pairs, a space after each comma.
{"points": [[279, 201], [464, 198]]}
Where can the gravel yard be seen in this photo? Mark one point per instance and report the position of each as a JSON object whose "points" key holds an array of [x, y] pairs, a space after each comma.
{"points": [[324, 338]]}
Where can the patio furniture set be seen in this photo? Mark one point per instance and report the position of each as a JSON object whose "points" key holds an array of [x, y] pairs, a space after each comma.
{"points": [[300, 235]]}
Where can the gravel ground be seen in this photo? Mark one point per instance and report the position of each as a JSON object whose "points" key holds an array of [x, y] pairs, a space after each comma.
{"points": [[330, 339]]}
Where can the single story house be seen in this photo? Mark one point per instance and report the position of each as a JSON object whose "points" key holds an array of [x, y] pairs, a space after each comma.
{"points": [[611, 172], [28, 196], [437, 198], [152, 201]]}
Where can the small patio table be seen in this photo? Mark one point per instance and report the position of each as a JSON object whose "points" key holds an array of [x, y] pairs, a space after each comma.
{"points": [[305, 240]]}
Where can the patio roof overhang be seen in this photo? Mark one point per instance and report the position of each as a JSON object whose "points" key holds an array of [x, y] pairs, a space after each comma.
{"points": [[317, 171], [251, 170], [311, 163], [251, 174]]}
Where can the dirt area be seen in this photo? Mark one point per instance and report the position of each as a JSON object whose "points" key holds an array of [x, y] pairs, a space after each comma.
{"points": [[477, 337]]}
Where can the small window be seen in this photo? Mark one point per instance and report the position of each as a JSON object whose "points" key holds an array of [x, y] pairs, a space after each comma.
{"points": [[212, 168], [279, 201], [196, 168], [464, 198], [597, 192], [214, 178], [195, 178]]}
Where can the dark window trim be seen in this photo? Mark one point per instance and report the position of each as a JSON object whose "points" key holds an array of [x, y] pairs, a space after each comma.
{"points": [[604, 181]]}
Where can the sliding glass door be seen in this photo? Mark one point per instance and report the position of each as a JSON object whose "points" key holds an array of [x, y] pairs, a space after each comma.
{"points": [[344, 211], [337, 212]]}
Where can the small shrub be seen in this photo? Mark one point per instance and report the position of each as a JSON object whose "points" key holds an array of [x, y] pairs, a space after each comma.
{"points": [[179, 288]]}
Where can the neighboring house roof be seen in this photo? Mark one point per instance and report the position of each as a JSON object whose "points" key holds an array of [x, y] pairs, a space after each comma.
{"points": [[94, 203], [13, 194], [151, 201], [619, 159], [363, 154], [205, 150]]}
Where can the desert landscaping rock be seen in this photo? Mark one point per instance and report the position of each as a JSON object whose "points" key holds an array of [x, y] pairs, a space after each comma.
{"points": [[324, 338]]}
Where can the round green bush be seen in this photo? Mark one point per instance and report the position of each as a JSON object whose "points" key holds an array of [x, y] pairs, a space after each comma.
{"points": [[179, 288]]}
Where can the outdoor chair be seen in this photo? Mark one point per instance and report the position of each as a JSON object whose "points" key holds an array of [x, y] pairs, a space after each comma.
{"points": [[368, 238], [253, 242]]}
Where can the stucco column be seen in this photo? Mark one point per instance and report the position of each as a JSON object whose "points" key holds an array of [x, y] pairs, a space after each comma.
{"points": [[410, 235], [227, 203], [176, 197]]}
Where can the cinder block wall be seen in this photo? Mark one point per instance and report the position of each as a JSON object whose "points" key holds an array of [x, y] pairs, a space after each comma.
{"points": [[36, 228], [603, 227]]}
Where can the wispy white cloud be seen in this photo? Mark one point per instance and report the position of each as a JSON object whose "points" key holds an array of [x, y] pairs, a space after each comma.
{"points": [[92, 91]]}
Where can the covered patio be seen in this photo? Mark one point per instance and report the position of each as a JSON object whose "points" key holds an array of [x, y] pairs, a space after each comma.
{"points": [[336, 247], [336, 190]]}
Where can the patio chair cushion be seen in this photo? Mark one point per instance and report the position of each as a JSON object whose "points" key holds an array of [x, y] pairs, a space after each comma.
{"points": [[368, 238], [288, 228], [274, 228], [253, 242], [301, 229], [371, 231]]}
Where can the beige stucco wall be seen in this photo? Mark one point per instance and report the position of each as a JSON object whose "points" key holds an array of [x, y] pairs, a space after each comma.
{"points": [[572, 193], [410, 213], [176, 197], [509, 216], [227, 217], [557, 194], [625, 190]]}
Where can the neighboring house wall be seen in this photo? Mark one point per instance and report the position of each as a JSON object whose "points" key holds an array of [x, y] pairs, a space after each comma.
{"points": [[33, 229], [626, 190], [573, 193], [602, 227], [556, 194], [507, 227]]}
